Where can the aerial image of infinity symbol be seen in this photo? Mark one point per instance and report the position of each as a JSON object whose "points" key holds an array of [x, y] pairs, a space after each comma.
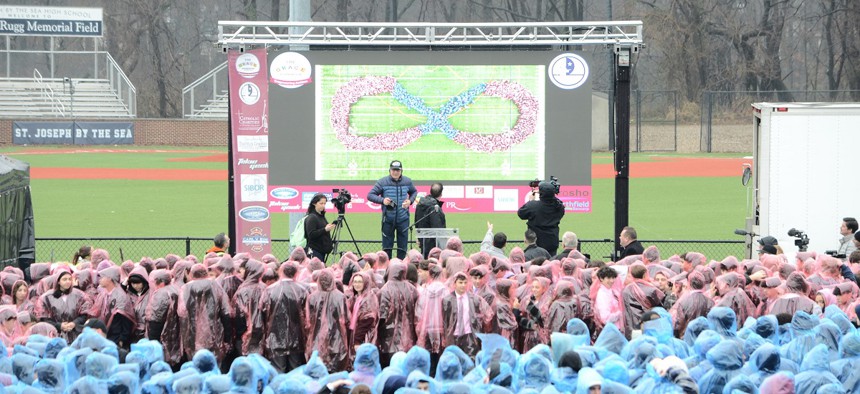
{"points": [[437, 119]]}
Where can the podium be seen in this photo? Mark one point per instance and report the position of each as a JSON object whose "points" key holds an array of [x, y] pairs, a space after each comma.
{"points": [[440, 234]]}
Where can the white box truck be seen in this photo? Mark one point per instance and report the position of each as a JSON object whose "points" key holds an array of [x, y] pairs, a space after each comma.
{"points": [[805, 173]]}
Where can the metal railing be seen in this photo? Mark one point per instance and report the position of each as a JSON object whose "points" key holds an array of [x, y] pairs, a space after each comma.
{"points": [[65, 66], [121, 249], [203, 92], [121, 85], [48, 94]]}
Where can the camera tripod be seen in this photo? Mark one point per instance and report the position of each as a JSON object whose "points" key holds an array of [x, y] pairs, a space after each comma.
{"points": [[339, 224]]}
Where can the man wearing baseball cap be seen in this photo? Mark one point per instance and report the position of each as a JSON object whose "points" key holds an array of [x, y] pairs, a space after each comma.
{"points": [[395, 193], [767, 245]]}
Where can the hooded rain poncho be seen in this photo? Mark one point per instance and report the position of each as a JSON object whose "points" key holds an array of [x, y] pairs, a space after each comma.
{"points": [[59, 307], [397, 300], [327, 316], [203, 307]]}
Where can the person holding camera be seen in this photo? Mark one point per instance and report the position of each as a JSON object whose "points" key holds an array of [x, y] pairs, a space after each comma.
{"points": [[544, 215], [395, 193], [318, 229]]}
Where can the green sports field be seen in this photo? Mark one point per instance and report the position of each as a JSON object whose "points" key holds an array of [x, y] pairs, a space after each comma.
{"points": [[665, 208], [432, 156]]}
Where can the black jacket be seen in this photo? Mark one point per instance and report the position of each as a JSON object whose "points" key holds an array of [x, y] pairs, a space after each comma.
{"points": [[318, 239], [428, 206], [543, 217], [632, 249], [533, 251]]}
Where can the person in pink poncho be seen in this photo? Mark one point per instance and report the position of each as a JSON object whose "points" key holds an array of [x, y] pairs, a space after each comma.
{"points": [[639, 296], [729, 293], [204, 310], [608, 304], [327, 319], [363, 309], [464, 315], [534, 320], [246, 301], [115, 308], [429, 325], [692, 304], [397, 300], [795, 299], [65, 308]]}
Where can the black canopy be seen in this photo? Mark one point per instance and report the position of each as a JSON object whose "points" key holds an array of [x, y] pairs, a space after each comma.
{"points": [[17, 237]]}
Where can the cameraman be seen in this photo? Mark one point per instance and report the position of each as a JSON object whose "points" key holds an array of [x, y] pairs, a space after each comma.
{"points": [[846, 243], [544, 216], [428, 214], [317, 228], [395, 193]]}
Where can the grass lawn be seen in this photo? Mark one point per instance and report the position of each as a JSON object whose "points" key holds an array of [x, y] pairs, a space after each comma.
{"points": [[660, 208]]}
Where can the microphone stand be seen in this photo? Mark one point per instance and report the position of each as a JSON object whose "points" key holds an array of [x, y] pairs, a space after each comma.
{"points": [[412, 227]]}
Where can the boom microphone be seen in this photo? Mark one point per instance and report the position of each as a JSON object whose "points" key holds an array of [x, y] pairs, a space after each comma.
{"points": [[744, 232]]}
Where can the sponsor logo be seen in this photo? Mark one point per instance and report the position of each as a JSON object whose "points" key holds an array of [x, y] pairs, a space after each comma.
{"points": [[249, 93], [284, 193], [248, 65], [453, 205], [568, 71], [453, 191], [252, 164], [249, 122], [479, 192], [252, 143], [254, 187], [373, 205], [284, 206], [576, 204], [506, 200], [254, 214], [290, 70], [255, 239]]}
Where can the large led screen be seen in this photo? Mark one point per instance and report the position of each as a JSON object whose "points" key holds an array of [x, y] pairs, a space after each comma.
{"points": [[483, 123]]}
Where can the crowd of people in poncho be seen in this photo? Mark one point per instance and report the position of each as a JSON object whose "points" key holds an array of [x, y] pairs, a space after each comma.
{"points": [[449, 323]]}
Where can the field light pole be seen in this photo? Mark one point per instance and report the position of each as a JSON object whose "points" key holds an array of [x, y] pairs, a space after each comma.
{"points": [[622, 143]]}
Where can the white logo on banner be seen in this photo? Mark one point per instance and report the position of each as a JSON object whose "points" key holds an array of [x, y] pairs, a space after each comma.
{"points": [[252, 143], [254, 187], [506, 200], [291, 70], [248, 65], [479, 192], [249, 93], [568, 71]]}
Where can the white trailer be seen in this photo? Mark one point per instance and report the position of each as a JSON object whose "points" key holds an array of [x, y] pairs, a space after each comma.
{"points": [[806, 161]]}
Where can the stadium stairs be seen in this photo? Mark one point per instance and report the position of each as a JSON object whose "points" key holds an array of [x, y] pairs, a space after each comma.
{"points": [[215, 108], [50, 98]]}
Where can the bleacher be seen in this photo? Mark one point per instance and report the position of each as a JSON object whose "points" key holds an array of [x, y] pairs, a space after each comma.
{"points": [[215, 108], [37, 97]]}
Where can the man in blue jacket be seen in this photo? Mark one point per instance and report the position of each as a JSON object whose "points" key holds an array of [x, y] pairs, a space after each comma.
{"points": [[395, 193]]}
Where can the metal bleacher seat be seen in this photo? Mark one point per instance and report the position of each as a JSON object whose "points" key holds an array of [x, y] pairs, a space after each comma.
{"points": [[47, 98]]}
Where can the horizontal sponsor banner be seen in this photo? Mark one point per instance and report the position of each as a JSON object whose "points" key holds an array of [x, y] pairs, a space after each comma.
{"points": [[73, 133], [52, 21], [477, 199]]}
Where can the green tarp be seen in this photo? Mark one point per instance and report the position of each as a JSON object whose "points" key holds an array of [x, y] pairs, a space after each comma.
{"points": [[17, 238]]}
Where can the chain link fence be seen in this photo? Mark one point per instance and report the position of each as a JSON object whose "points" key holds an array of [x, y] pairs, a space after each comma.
{"points": [[121, 249]]}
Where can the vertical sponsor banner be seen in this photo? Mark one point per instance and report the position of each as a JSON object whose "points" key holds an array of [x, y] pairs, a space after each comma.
{"points": [[249, 97]]}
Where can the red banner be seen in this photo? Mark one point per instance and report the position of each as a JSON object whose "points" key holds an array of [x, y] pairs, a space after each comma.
{"points": [[249, 96]]}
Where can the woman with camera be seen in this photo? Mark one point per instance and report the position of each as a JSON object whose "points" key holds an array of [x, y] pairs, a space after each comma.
{"points": [[318, 229]]}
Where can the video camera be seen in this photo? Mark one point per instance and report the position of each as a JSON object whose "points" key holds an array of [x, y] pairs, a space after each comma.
{"points": [[802, 241], [343, 198], [552, 181]]}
